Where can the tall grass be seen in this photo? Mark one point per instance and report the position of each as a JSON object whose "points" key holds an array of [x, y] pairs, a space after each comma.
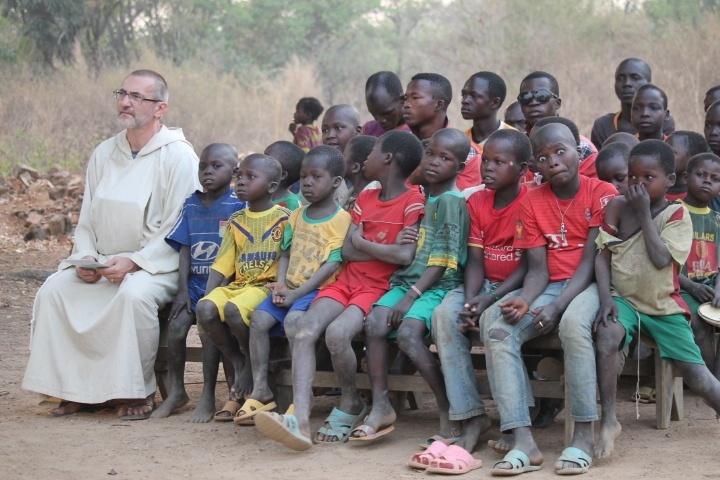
{"points": [[59, 118]]}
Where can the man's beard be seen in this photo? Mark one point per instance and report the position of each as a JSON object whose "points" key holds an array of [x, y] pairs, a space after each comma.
{"points": [[133, 120]]}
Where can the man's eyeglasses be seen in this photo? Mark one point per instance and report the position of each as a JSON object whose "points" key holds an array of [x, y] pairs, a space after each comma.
{"points": [[542, 96], [135, 98]]}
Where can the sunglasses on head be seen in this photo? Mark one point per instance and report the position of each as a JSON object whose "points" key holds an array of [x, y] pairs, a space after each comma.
{"points": [[542, 96]]}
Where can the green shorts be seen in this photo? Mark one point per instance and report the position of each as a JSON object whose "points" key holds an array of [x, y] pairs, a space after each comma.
{"points": [[421, 309], [672, 333], [691, 301]]}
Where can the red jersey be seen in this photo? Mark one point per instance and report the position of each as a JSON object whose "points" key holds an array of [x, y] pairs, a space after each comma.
{"points": [[470, 177], [493, 231], [587, 166], [562, 225], [381, 223], [671, 197]]}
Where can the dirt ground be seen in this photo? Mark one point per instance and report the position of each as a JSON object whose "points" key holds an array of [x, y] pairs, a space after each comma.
{"points": [[86, 446]]}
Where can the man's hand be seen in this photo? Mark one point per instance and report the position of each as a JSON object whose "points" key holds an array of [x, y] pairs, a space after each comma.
{"points": [[117, 268], [88, 275]]}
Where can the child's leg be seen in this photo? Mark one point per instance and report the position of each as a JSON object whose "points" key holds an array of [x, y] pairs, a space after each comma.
{"points": [[607, 340], [219, 333], [308, 330], [205, 409], [701, 381], [338, 338], [178, 329], [241, 331], [453, 347], [260, 325], [376, 333], [675, 342], [703, 333], [410, 340], [576, 334]]}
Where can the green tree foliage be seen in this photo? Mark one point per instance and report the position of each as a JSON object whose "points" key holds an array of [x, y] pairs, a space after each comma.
{"points": [[687, 11], [52, 25], [105, 29]]}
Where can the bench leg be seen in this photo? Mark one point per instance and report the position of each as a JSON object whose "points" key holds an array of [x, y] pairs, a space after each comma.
{"points": [[415, 399], [664, 383], [678, 408], [282, 394]]}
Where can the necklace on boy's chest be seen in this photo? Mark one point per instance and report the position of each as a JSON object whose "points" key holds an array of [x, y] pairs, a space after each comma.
{"points": [[562, 231]]}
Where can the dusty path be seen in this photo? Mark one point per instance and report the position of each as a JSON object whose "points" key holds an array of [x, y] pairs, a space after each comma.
{"points": [[99, 446]]}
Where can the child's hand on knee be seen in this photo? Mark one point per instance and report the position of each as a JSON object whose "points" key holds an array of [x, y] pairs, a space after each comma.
{"points": [[182, 301], [546, 317], [607, 309]]}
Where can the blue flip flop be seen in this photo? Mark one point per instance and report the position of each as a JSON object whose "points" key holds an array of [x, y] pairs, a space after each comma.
{"points": [[575, 455], [341, 424], [283, 429], [519, 461]]}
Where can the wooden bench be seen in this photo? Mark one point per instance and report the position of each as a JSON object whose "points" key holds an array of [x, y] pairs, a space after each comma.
{"points": [[411, 386], [279, 357]]}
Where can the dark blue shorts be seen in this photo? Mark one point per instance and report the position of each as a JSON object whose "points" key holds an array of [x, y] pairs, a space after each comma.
{"points": [[279, 313], [195, 293]]}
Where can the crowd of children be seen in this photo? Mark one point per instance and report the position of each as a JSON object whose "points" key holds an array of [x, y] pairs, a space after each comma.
{"points": [[406, 228]]}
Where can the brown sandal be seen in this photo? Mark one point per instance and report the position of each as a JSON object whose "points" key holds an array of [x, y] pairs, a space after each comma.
{"points": [[228, 411]]}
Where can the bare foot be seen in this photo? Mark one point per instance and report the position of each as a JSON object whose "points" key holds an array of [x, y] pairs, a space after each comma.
{"points": [[204, 411], [382, 415], [447, 426], [243, 385], [471, 431], [504, 444], [606, 440], [172, 402], [67, 408]]}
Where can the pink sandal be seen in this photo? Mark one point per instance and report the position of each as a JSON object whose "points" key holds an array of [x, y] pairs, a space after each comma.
{"points": [[422, 460], [454, 461]]}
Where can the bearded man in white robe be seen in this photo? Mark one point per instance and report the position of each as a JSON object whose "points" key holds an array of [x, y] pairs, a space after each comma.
{"points": [[96, 329]]}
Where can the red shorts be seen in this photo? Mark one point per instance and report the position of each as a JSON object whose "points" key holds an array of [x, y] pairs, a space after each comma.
{"points": [[362, 296]]}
